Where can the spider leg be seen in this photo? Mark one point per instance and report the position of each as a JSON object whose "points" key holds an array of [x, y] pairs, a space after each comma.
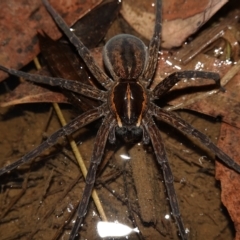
{"points": [[71, 127], [97, 72], [162, 159], [98, 150], [175, 77], [188, 129], [153, 46], [71, 85]]}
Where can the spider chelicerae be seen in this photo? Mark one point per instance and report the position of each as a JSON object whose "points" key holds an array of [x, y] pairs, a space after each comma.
{"points": [[127, 107]]}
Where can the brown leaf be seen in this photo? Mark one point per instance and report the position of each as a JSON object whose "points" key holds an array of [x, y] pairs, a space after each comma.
{"points": [[230, 180], [179, 24], [30, 93], [20, 23]]}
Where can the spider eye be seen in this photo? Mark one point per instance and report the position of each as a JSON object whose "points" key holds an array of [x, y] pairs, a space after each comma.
{"points": [[125, 56]]}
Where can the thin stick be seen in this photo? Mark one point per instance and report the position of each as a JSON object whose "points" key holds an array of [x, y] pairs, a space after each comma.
{"points": [[77, 154]]}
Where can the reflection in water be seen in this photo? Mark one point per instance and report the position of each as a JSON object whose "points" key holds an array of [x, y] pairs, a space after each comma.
{"points": [[114, 229], [167, 216], [125, 157]]}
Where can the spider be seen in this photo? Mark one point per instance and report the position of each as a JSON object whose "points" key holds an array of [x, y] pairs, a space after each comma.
{"points": [[127, 108]]}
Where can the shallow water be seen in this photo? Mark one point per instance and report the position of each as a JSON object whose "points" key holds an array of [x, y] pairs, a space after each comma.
{"points": [[37, 199]]}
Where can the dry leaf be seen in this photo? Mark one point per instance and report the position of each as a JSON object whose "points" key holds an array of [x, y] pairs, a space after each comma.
{"points": [[178, 24], [230, 181], [30, 93], [20, 23]]}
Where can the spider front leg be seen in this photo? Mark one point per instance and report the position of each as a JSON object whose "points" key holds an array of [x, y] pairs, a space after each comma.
{"points": [[188, 129], [97, 72], [98, 150], [162, 159], [153, 47], [71, 127], [71, 85], [164, 86]]}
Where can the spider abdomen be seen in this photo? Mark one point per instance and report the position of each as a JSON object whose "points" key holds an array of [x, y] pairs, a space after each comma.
{"points": [[125, 56]]}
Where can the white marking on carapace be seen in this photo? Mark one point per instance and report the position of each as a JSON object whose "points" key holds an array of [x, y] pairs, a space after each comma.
{"points": [[129, 97]]}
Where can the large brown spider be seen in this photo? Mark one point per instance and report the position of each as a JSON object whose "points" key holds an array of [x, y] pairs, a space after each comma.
{"points": [[127, 106]]}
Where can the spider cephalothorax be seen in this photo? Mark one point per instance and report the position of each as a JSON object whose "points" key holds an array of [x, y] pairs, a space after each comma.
{"points": [[127, 109], [125, 57]]}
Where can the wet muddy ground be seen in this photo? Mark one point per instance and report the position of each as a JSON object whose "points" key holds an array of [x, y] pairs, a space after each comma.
{"points": [[38, 199]]}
